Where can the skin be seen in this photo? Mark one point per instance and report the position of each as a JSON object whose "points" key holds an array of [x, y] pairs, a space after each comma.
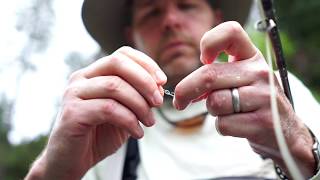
{"points": [[104, 102], [170, 33]]}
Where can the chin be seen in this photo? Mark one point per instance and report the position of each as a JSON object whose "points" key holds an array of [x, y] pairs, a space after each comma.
{"points": [[173, 81], [180, 65], [176, 73]]}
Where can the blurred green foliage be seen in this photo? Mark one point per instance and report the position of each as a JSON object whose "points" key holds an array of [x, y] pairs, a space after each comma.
{"points": [[298, 19], [300, 36], [15, 160]]}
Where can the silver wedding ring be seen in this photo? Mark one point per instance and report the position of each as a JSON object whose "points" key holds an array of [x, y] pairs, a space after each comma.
{"points": [[235, 100]]}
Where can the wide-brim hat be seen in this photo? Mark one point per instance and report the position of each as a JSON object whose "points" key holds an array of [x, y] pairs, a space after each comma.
{"points": [[105, 20]]}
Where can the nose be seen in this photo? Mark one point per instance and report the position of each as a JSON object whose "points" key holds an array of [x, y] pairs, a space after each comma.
{"points": [[171, 18]]}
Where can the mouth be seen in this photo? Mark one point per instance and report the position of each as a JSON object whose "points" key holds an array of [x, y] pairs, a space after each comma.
{"points": [[174, 49], [174, 45]]}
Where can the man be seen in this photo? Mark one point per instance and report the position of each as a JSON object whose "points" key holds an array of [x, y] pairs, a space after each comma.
{"points": [[111, 100]]}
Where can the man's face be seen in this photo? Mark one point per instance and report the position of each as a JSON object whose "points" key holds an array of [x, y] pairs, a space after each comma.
{"points": [[169, 31]]}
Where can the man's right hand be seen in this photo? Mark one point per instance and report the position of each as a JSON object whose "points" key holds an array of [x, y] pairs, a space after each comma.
{"points": [[102, 106]]}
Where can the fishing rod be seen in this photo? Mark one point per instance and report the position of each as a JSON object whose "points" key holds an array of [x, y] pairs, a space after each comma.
{"points": [[270, 26]]}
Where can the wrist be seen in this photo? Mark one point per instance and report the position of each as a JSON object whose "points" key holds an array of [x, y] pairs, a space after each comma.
{"points": [[306, 155], [37, 171], [44, 169]]}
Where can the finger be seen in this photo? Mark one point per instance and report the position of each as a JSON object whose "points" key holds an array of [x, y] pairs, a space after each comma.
{"points": [[124, 67], [237, 125], [251, 98], [113, 87], [216, 76], [146, 62], [101, 111], [219, 102], [227, 37]]}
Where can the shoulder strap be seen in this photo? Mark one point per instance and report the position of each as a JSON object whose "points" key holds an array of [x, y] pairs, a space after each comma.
{"points": [[132, 160]]}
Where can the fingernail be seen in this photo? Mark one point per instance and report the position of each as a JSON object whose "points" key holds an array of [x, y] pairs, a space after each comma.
{"points": [[161, 77], [150, 121], [179, 106], [157, 98], [161, 90], [175, 104], [201, 59], [139, 132]]}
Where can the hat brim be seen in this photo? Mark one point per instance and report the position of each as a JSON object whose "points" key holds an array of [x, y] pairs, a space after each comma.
{"points": [[105, 19]]}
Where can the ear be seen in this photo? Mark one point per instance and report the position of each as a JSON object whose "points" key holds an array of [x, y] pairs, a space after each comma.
{"points": [[218, 16], [128, 34]]}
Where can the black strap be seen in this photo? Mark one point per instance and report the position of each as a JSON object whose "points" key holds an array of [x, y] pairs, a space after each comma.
{"points": [[131, 161]]}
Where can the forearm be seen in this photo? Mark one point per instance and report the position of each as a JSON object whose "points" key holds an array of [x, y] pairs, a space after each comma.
{"points": [[42, 169]]}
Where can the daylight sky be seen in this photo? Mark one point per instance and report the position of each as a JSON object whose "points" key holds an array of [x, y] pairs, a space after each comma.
{"points": [[38, 93]]}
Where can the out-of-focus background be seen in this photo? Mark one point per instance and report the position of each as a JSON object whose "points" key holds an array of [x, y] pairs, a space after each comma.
{"points": [[43, 41]]}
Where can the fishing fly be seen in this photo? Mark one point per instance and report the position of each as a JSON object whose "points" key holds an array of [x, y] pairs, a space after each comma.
{"points": [[169, 93]]}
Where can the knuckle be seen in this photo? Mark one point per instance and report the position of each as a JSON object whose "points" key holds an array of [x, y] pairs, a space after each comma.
{"points": [[234, 31], [209, 75], [214, 102], [124, 49], [263, 74], [71, 91], [114, 84], [69, 111], [114, 59], [233, 27], [109, 107], [75, 75]]}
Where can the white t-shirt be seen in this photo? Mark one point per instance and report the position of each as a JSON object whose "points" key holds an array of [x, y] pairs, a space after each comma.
{"points": [[167, 152], [170, 153]]}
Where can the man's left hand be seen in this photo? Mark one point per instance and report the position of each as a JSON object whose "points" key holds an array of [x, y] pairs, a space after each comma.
{"points": [[247, 71]]}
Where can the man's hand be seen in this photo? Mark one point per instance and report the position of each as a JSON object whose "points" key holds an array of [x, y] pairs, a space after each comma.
{"points": [[248, 72], [102, 106]]}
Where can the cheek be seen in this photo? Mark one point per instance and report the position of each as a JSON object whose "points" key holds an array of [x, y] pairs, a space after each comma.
{"points": [[201, 25], [196, 31], [146, 42]]}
